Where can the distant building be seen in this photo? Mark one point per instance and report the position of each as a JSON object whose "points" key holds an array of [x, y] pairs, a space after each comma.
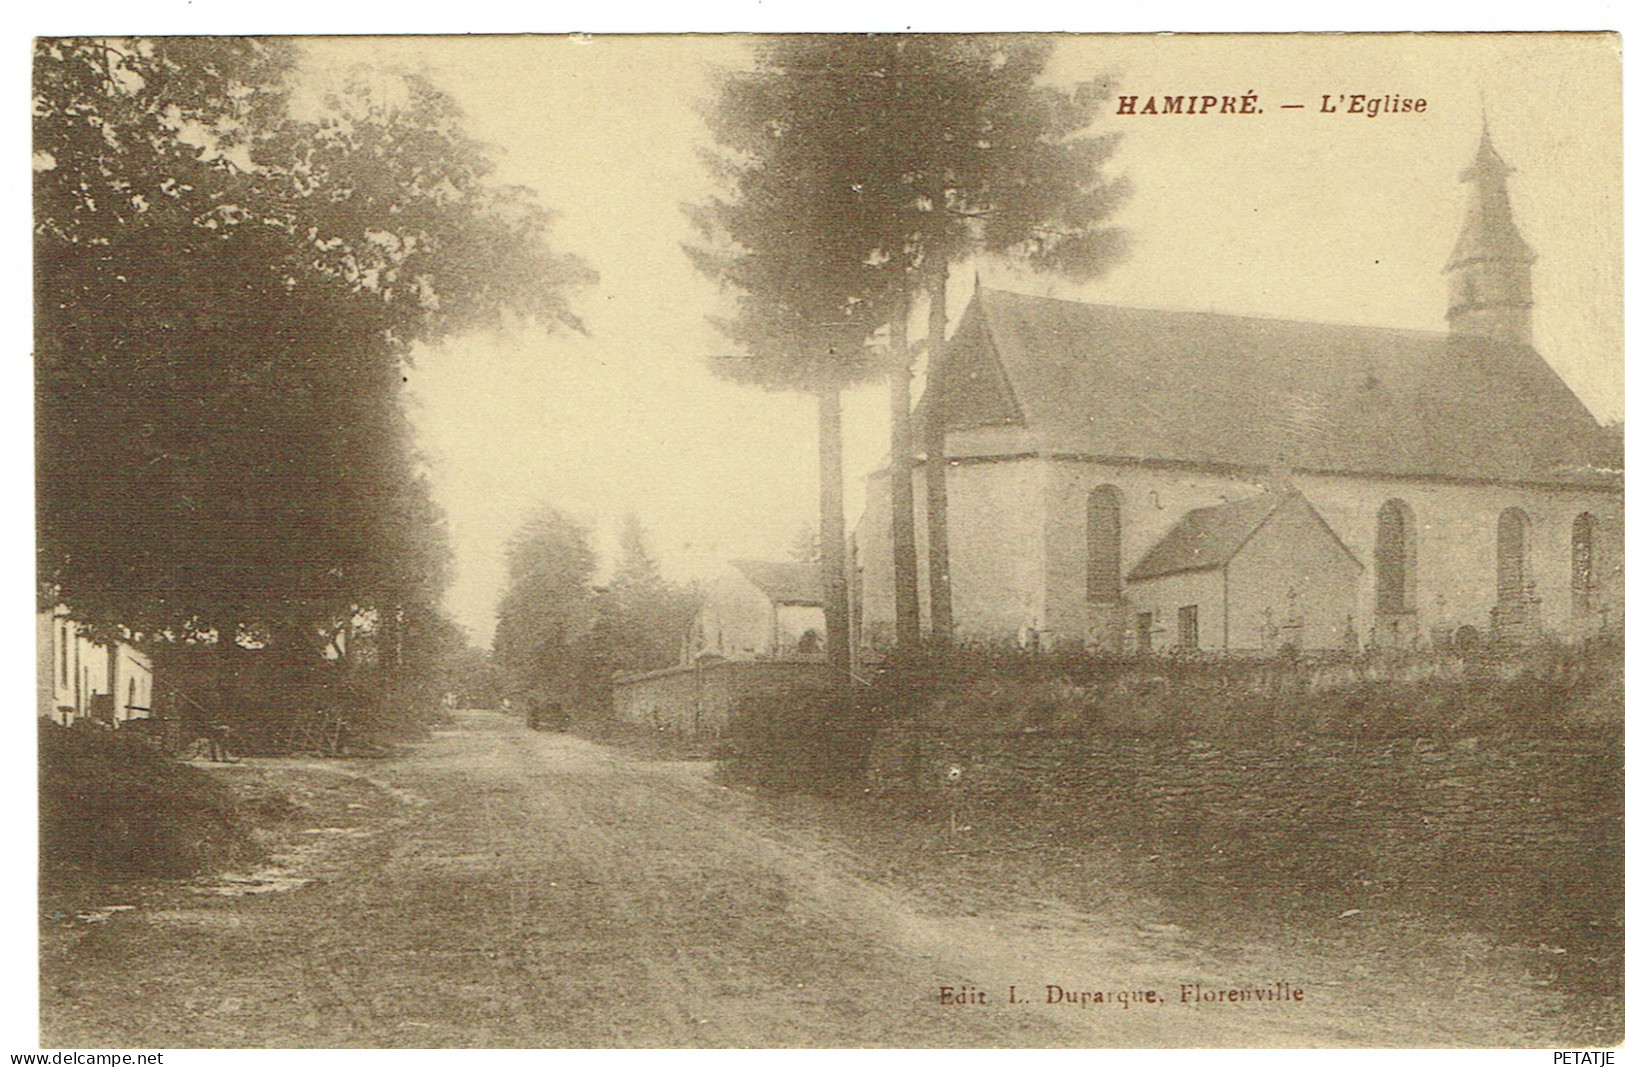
{"points": [[77, 678], [758, 609], [758, 633], [1138, 479]]}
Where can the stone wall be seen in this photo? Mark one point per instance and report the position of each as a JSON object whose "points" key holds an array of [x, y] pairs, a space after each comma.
{"points": [[699, 700]]}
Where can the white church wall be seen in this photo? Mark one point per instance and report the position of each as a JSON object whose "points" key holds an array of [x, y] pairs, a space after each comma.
{"points": [[1455, 538], [1456, 544], [1153, 499], [1017, 534], [996, 522]]}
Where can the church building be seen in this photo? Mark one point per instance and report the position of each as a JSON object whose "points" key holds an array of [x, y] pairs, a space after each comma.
{"points": [[1151, 480]]}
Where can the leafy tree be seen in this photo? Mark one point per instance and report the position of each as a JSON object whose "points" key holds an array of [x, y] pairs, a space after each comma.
{"points": [[561, 636], [636, 568], [227, 293], [549, 608], [471, 675], [645, 618]]}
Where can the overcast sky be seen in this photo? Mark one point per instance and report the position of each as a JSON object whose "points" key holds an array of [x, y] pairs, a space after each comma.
{"points": [[1289, 213]]}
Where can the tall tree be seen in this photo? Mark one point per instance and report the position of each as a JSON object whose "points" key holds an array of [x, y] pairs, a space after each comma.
{"points": [[795, 241], [636, 566], [547, 612], [227, 295], [560, 636], [910, 152], [648, 617], [981, 156]]}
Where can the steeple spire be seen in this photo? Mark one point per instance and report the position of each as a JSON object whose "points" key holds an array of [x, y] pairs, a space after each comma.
{"points": [[1490, 287]]}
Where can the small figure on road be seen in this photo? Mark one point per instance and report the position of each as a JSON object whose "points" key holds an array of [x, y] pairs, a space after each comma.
{"points": [[545, 714], [218, 736]]}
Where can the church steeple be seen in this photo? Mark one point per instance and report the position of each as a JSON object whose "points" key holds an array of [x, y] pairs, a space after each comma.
{"points": [[1490, 290]]}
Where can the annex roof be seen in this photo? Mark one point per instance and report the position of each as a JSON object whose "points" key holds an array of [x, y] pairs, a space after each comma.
{"points": [[783, 582], [1205, 538], [1134, 384]]}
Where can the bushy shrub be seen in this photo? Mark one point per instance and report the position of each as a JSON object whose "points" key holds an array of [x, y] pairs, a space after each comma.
{"points": [[819, 741], [809, 741], [113, 809]]}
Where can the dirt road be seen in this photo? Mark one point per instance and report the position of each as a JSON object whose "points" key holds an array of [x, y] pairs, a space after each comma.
{"points": [[505, 888]]}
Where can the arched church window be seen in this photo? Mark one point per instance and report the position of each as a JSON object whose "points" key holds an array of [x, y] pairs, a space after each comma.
{"points": [[1104, 535], [1512, 573], [1396, 558]]}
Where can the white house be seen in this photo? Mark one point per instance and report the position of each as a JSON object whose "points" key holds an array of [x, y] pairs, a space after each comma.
{"points": [[758, 609], [78, 678]]}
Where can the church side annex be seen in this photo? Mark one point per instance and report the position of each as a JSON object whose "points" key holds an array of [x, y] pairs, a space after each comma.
{"points": [[1142, 480]]}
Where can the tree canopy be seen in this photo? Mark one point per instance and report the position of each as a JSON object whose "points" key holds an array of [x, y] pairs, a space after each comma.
{"points": [[563, 637], [648, 615], [229, 281], [843, 155], [791, 236], [857, 169], [546, 613], [798, 240]]}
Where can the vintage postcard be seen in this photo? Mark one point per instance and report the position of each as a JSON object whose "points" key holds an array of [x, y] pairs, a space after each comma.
{"points": [[887, 541]]}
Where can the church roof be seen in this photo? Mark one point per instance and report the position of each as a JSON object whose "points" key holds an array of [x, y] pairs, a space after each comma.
{"points": [[1210, 537], [1190, 387], [783, 582]]}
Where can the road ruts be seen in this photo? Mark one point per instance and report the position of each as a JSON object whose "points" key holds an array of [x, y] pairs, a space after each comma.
{"points": [[506, 888]]}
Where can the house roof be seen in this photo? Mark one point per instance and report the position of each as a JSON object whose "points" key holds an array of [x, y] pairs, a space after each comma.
{"points": [[1205, 538], [784, 583], [1135, 384]]}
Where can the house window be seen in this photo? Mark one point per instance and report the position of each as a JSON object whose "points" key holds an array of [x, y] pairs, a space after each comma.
{"points": [[1583, 562], [1396, 559], [1104, 535], [1513, 584], [1142, 631], [65, 669], [1189, 633]]}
